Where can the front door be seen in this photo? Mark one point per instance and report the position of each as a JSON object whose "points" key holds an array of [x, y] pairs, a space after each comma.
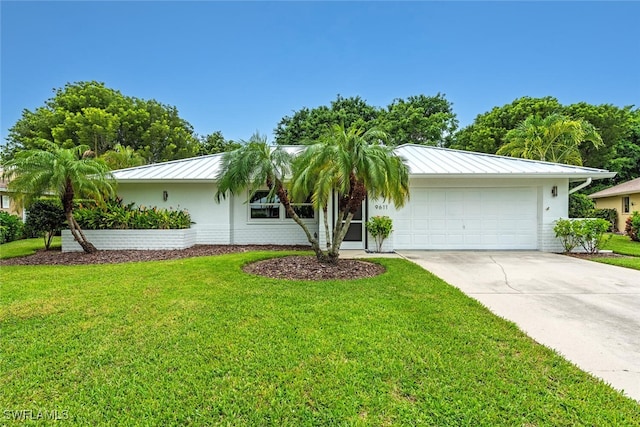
{"points": [[355, 237]]}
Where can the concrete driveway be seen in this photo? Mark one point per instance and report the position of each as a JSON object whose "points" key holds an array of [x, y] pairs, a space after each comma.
{"points": [[587, 311]]}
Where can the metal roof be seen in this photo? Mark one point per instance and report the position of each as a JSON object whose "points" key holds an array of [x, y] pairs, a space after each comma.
{"points": [[629, 187], [436, 161], [423, 161], [204, 168]]}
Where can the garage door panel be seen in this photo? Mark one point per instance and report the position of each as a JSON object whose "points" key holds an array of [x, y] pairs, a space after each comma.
{"points": [[456, 218]]}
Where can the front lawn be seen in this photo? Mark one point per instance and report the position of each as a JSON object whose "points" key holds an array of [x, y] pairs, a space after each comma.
{"points": [[199, 342], [26, 247], [622, 245]]}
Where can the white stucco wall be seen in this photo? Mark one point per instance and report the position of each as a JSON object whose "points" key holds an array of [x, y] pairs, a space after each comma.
{"points": [[245, 230], [226, 222], [229, 222], [551, 209]]}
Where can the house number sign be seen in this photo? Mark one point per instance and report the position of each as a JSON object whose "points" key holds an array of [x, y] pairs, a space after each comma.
{"points": [[381, 207]]}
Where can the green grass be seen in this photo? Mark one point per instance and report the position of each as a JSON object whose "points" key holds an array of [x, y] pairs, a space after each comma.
{"points": [[25, 247], [623, 245], [199, 342], [620, 262]]}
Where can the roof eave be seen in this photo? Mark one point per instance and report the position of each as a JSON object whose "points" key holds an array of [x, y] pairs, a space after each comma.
{"points": [[616, 194], [571, 176], [166, 181]]}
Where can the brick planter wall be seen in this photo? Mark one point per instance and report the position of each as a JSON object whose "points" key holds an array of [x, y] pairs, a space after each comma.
{"points": [[132, 239]]}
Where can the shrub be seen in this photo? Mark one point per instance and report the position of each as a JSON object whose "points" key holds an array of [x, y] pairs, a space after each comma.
{"points": [[580, 206], [588, 233], [380, 227], [591, 232], [632, 227], [610, 215], [566, 232], [11, 227], [45, 218], [114, 215]]}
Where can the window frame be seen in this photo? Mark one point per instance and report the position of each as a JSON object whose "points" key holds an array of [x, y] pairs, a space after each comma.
{"points": [[5, 198], [282, 213], [626, 204]]}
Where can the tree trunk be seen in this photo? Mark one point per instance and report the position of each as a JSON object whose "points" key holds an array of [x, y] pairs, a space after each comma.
{"points": [[76, 232], [78, 235]]}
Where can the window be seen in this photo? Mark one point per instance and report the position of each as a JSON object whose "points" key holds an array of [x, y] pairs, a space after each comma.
{"points": [[261, 206], [304, 210], [5, 201], [625, 205]]}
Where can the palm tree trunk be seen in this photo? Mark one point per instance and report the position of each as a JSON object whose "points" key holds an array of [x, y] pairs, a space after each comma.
{"points": [[78, 235]]}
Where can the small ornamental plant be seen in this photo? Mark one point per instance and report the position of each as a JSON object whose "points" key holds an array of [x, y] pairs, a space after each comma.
{"points": [[380, 227], [632, 227]]}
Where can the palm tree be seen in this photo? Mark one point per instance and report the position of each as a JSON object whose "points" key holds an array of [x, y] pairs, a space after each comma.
{"points": [[257, 164], [66, 173], [122, 157], [555, 138], [354, 163]]}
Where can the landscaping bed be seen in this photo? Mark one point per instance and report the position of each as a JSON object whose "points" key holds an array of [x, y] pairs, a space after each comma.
{"points": [[295, 267]]}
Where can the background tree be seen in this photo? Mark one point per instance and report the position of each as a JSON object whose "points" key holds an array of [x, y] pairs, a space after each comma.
{"points": [[355, 164], [554, 138], [614, 124], [215, 143], [88, 113], [426, 120], [418, 119], [307, 125], [64, 172], [45, 218]]}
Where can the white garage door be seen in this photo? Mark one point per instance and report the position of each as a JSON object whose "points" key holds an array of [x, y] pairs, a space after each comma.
{"points": [[468, 218]]}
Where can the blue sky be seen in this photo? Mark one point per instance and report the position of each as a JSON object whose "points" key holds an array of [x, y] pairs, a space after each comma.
{"points": [[239, 67]]}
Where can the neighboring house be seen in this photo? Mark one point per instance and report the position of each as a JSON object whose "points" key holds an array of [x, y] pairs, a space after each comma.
{"points": [[624, 198], [7, 203], [458, 200]]}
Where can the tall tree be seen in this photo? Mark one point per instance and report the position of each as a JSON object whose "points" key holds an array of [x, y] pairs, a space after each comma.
{"points": [[354, 163], [215, 143], [486, 134], [425, 120], [89, 113], [614, 125], [63, 172], [307, 125], [555, 138]]}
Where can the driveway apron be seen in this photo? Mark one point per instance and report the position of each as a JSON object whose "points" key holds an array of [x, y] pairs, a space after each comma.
{"points": [[587, 311]]}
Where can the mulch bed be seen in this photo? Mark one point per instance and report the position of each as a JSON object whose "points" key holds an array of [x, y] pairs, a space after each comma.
{"points": [[598, 255], [308, 268], [291, 267]]}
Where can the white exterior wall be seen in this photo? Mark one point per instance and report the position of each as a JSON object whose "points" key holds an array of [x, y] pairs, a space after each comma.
{"points": [[228, 222], [212, 220], [551, 209], [223, 223], [246, 231]]}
